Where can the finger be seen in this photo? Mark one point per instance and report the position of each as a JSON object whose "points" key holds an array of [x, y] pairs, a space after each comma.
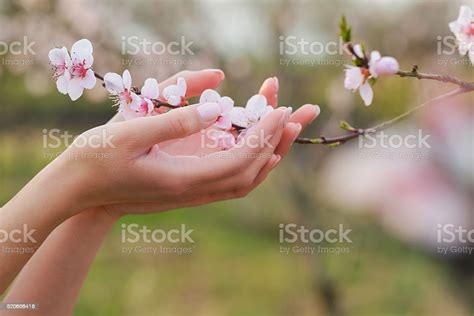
{"points": [[181, 122], [298, 121], [269, 89], [196, 81], [262, 175], [246, 177], [224, 164]]}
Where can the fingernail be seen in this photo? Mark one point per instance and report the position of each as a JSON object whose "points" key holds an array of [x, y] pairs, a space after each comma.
{"points": [[209, 111], [298, 129], [276, 160], [218, 72], [275, 82], [287, 115], [317, 110]]}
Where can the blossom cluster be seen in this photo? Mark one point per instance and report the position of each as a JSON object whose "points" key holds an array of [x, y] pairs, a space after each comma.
{"points": [[463, 29], [73, 73]]}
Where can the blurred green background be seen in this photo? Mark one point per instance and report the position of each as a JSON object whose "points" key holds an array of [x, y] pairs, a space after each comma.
{"points": [[391, 204]]}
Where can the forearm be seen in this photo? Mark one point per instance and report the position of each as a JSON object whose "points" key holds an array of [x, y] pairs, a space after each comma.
{"points": [[45, 202], [61, 265]]}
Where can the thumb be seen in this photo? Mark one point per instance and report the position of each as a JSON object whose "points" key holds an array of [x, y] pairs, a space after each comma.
{"points": [[176, 123]]}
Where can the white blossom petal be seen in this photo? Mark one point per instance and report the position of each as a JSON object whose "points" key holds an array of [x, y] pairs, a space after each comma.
{"points": [[182, 86], [256, 103], [358, 51], [150, 89], [75, 89], [62, 82], [238, 116], [209, 96], [353, 79], [172, 95], [58, 56], [226, 104], [89, 81], [127, 79], [83, 46], [366, 93], [113, 83]]}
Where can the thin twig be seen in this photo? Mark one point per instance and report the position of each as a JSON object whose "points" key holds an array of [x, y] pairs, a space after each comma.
{"points": [[334, 141], [156, 102]]}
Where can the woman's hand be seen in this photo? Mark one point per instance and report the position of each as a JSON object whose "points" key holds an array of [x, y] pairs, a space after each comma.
{"points": [[132, 168], [181, 149]]}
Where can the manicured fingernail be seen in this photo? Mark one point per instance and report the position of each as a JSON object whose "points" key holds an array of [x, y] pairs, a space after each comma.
{"points": [[317, 110], [287, 115], [275, 82], [298, 129], [217, 72], [209, 111], [276, 159]]}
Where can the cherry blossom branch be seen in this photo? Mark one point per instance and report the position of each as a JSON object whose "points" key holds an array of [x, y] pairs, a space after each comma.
{"points": [[469, 86], [156, 102], [356, 132]]}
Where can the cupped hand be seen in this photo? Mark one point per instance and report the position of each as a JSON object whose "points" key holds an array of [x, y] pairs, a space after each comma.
{"points": [[161, 163]]}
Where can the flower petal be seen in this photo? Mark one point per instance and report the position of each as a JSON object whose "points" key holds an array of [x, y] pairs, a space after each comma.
{"points": [[57, 56], [83, 46], [89, 81], [127, 79], [113, 83], [226, 104], [209, 96], [75, 89], [366, 93], [150, 89], [358, 51], [224, 121], [239, 116], [353, 79], [256, 103], [171, 94], [62, 82], [181, 83]]}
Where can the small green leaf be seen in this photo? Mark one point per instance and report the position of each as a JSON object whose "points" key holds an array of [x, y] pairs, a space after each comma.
{"points": [[345, 31], [334, 145], [346, 126], [316, 141]]}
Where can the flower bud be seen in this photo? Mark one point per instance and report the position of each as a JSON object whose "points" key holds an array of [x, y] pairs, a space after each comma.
{"points": [[385, 66]]}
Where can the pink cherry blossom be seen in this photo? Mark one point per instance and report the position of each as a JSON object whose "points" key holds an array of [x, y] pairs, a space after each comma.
{"points": [[255, 109], [60, 60], [82, 76], [357, 79], [463, 29], [149, 92], [226, 104], [174, 94], [121, 88], [379, 65]]}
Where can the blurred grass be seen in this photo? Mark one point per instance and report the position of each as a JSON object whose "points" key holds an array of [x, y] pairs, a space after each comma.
{"points": [[236, 268]]}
